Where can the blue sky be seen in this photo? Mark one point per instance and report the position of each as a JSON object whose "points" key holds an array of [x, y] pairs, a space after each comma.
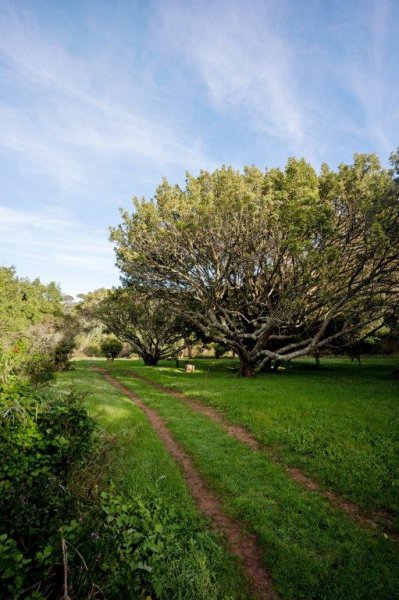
{"points": [[99, 100]]}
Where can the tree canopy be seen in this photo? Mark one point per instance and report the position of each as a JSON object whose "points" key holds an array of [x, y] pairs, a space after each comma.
{"points": [[24, 303], [273, 264]]}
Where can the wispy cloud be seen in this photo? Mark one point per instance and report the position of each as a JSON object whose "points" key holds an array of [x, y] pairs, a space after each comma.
{"points": [[312, 77], [369, 70], [57, 237], [246, 66], [77, 120]]}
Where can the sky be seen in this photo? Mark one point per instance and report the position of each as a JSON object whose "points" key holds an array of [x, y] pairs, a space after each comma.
{"points": [[99, 100]]}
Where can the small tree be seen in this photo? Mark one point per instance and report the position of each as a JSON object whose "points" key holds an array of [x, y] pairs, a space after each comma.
{"points": [[111, 348], [219, 349], [147, 324]]}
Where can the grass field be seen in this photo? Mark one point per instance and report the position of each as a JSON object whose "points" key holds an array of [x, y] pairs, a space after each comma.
{"points": [[340, 425]]}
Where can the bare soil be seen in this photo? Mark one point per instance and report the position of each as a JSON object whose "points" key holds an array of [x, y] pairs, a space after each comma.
{"points": [[376, 520], [242, 544]]}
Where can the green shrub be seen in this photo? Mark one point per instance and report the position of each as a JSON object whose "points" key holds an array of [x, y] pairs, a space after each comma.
{"points": [[62, 354], [43, 437], [18, 360], [11, 359], [39, 368], [140, 547], [13, 567], [156, 552], [111, 348], [220, 349]]}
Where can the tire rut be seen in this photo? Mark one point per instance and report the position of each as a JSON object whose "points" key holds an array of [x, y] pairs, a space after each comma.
{"points": [[242, 544], [377, 520]]}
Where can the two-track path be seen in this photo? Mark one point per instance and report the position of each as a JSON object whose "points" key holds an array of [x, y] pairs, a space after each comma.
{"points": [[376, 520], [241, 543]]}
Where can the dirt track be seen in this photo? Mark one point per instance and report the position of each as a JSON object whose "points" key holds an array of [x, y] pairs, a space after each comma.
{"points": [[240, 543]]}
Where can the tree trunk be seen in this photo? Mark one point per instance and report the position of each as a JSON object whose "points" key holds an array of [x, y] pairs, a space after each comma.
{"points": [[276, 365], [150, 360], [247, 368]]}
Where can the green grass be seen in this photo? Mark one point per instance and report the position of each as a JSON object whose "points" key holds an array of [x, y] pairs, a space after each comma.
{"points": [[339, 424], [312, 550], [140, 466]]}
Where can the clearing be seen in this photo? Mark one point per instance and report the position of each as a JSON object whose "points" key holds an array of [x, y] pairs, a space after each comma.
{"points": [[278, 456]]}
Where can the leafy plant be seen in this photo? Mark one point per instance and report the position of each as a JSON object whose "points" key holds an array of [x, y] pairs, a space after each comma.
{"points": [[43, 436], [111, 348]]}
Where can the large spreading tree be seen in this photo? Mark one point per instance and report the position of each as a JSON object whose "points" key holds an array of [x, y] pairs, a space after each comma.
{"points": [[273, 264]]}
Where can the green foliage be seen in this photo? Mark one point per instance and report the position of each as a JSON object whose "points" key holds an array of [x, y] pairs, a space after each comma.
{"points": [[39, 368], [13, 568], [36, 337], [141, 533], [219, 349], [24, 303], [111, 347], [36, 365], [92, 350], [43, 437], [62, 354], [11, 359]]}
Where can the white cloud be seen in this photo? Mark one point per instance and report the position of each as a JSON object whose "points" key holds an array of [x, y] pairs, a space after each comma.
{"points": [[75, 119], [244, 63], [369, 70], [290, 80], [54, 236]]}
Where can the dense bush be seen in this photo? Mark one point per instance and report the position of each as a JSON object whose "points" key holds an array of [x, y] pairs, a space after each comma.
{"points": [[38, 368], [219, 349], [43, 437], [62, 353], [34, 364], [111, 348], [140, 548]]}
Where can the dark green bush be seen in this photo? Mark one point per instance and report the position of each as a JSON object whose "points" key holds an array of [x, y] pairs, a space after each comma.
{"points": [[39, 368], [13, 567], [111, 348], [220, 349], [62, 354], [43, 437]]}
